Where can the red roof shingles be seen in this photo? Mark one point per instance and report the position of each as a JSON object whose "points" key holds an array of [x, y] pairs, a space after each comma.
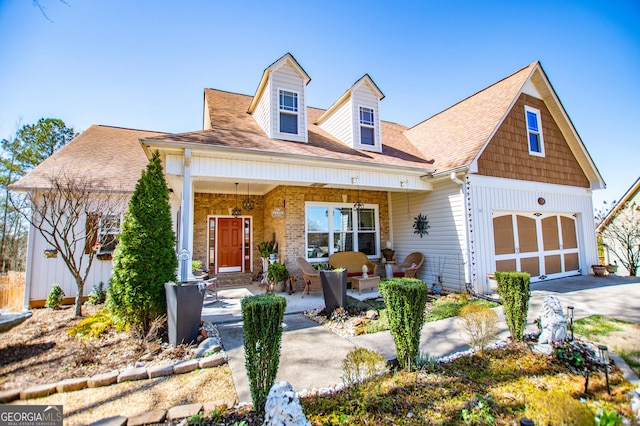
{"points": [[111, 156]]}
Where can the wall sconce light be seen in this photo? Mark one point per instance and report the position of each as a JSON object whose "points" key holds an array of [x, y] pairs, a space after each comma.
{"points": [[570, 315]]}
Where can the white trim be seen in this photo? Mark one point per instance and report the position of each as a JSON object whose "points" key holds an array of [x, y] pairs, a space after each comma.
{"points": [[207, 260], [376, 126], [281, 111], [522, 185], [536, 112]]}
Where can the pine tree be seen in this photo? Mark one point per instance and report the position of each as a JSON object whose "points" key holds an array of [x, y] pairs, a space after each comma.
{"points": [[145, 257]]}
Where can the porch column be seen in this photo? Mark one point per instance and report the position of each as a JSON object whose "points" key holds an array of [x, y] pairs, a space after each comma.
{"points": [[186, 208]]}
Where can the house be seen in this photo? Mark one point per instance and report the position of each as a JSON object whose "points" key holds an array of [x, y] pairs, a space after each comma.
{"points": [[502, 178], [620, 232]]}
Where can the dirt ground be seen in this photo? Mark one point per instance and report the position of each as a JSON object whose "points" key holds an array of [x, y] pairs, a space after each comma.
{"points": [[40, 351]]}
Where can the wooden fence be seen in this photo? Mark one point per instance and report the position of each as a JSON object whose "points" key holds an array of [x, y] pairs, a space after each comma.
{"points": [[12, 291]]}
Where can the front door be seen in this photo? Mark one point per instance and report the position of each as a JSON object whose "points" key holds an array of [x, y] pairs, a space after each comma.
{"points": [[230, 238]]}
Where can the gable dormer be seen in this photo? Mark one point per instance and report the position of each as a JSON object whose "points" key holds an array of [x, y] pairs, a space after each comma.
{"points": [[354, 118], [279, 105]]}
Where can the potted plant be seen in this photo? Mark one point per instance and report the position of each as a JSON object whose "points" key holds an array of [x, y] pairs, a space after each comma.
{"points": [[196, 268], [277, 273], [612, 268], [334, 289], [266, 248], [388, 253], [598, 270]]}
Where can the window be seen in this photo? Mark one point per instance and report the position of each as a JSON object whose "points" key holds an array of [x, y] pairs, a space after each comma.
{"points": [[534, 131], [288, 112], [335, 227], [367, 125], [108, 233]]}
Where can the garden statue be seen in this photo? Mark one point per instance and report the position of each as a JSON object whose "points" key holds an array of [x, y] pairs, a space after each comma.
{"points": [[283, 407], [552, 322]]}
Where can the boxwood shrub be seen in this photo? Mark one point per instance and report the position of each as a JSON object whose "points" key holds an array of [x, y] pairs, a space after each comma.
{"points": [[513, 288], [406, 299]]}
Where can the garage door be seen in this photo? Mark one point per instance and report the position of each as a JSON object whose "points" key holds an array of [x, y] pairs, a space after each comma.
{"points": [[544, 245]]}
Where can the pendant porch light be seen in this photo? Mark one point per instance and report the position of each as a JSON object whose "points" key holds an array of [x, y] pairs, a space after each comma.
{"points": [[248, 203], [236, 211]]}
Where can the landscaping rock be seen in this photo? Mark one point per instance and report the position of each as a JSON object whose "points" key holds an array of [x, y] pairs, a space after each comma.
{"points": [[111, 421], [371, 314], [148, 418], [135, 373], [185, 366], [160, 370], [68, 385], [212, 361], [38, 391], [283, 407], [183, 411], [209, 407], [9, 395], [103, 379], [210, 344]]}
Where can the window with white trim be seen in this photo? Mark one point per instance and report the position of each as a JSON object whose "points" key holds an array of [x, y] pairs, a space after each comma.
{"points": [[108, 233], [534, 131], [335, 227], [367, 126], [288, 112]]}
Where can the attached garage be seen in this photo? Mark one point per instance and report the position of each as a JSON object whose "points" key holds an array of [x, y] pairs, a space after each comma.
{"points": [[542, 244]]}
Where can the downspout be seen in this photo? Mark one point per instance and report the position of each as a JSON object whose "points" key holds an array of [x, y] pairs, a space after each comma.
{"points": [[29, 268]]}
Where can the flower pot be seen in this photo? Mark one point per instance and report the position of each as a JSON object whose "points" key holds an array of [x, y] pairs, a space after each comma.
{"points": [[184, 308], [612, 269], [598, 270], [388, 255], [334, 289]]}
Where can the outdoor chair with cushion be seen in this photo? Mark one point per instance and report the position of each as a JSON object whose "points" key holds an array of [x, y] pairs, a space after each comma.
{"points": [[409, 268], [352, 261], [310, 275]]}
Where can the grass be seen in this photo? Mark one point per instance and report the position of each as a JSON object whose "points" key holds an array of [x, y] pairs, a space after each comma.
{"points": [[596, 327], [442, 308]]}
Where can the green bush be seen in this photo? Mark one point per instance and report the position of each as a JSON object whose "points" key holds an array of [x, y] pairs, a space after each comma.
{"points": [[478, 326], [513, 288], [146, 258], [93, 326], [98, 295], [406, 299], [361, 364], [55, 296], [262, 318]]}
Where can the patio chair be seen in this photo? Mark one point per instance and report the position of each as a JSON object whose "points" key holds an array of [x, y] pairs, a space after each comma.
{"points": [[409, 268], [310, 275]]}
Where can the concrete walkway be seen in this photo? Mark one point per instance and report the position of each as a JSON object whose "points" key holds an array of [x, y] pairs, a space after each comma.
{"points": [[311, 356]]}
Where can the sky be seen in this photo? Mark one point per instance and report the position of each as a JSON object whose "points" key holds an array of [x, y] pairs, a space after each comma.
{"points": [[144, 64]]}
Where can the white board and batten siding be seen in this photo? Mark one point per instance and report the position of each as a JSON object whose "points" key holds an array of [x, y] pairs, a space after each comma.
{"points": [[286, 78], [490, 195], [340, 123], [444, 248], [44, 272]]}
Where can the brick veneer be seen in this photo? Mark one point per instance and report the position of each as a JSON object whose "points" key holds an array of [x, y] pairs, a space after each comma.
{"points": [[288, 230]]}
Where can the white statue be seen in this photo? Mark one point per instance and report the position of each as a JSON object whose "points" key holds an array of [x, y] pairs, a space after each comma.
{"points": [[552, 322], [365, 271], [283, 407]]}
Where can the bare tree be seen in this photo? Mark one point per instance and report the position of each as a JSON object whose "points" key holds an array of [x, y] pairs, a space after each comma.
{"points": [[621, 235], [69, 215]]}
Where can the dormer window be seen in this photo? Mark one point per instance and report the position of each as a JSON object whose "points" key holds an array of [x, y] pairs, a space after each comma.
{"points": [[288, 112], [534, 131], [367, 126]]}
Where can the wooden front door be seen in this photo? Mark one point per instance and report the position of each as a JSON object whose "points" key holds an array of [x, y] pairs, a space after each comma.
{"points": [[230, 245]]}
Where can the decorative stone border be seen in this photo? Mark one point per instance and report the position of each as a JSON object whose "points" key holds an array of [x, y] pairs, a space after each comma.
{"points": [[209, 346]]}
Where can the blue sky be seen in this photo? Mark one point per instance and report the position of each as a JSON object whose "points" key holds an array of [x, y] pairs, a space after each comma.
{"points": [[144, 64]]}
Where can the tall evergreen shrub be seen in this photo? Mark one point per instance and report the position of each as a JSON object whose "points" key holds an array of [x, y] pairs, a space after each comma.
{"points": [[513, 288], [145, 258], [262, 323], [406, 299]]}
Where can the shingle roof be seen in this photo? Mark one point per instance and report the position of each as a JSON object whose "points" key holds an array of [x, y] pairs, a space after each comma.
{"points": [[455, 136], [112, 155], [233, 127]]}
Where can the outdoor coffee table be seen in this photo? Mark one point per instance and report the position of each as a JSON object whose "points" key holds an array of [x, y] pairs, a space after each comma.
{"points": [[363, 283]]}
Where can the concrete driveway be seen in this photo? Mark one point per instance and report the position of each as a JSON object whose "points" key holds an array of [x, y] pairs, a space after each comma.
{"points": [[611, 295]]}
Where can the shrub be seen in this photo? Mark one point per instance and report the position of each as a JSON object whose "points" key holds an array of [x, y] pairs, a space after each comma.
{"points": [[555, 407], [262, 316], [98, 295], [406, 299], [93, 326], [55, 296], [478, 326], [479, 413], [361, 364], [513, 288], [146, 258]]}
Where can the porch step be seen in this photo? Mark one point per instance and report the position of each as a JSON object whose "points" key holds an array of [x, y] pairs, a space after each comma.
{"points": [[234, 279]]}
